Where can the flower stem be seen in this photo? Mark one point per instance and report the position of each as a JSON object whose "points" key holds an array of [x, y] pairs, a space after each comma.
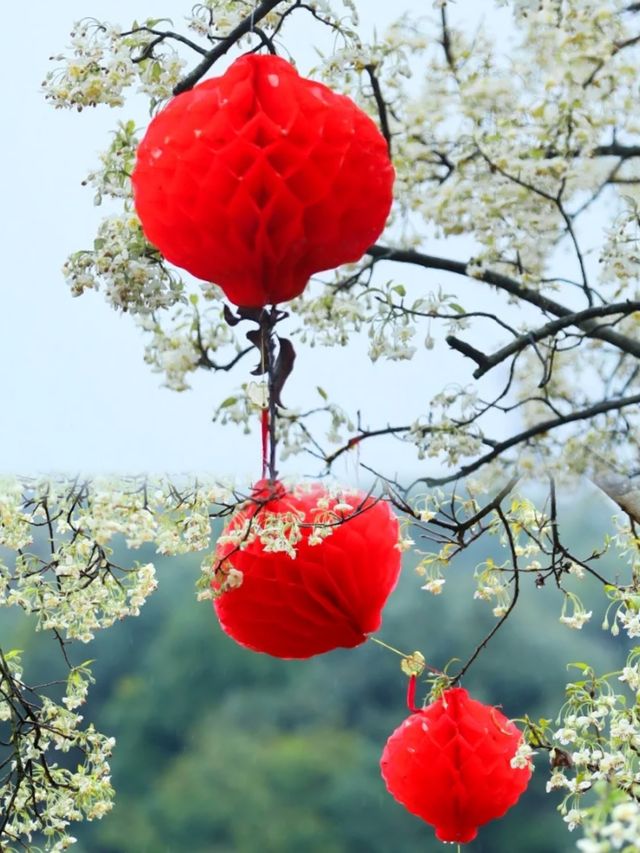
{"points": [[387, 646]]}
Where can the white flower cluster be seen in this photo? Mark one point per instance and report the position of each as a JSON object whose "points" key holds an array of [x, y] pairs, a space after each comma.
{"points": [[492, 587], [333, 316], [621, 833], [295, 429], [38, 796], [295, 433], [473, 153], [620, 256], [104, 61], [71, 581], [215, 19], [98, 70], [281, 530], [189, 338], [593, 747], [57, 538], [112, 177], [278, 530], [523, 759], [446, 437], [574, 615], [128, 270]]}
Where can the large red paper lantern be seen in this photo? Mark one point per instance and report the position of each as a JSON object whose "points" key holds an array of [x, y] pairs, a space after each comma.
{"points": [[330, 594], [450, 764], [259, 178]]}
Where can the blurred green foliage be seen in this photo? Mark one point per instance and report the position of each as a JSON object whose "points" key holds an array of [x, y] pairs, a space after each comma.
{"points": [[220, 750]]}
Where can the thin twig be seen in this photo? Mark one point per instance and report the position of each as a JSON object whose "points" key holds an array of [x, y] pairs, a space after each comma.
{"points": [[514, 599], [212, 56], [539, 428], [381, 104], [509, 285]]}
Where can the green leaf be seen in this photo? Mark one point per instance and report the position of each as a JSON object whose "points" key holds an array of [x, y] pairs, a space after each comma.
{"points": [[230, 401], [12, 653], [153, 22], [583, 667], [322, 392], [457, 308]]}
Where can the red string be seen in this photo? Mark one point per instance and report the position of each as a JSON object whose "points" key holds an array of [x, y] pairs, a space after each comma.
{"points": [[411, 694], [265, 438]]}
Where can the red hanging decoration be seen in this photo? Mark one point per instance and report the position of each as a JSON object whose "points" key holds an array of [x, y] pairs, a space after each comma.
{"points": [[329, 595], [450, 764], [259, 178]]}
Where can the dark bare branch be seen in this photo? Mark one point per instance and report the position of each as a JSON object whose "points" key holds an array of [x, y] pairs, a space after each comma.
{"points": [[161, 36], [551, 328], [381, 104], [617, 149], [509, 285], [471, 352], [514, 599], [212, 56], [541, 427]]}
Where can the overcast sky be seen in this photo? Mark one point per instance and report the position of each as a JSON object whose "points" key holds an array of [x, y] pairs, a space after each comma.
{"points": [[78, 396]]}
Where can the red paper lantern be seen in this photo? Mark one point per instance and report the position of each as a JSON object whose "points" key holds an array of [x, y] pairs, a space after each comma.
{"points": [[450, 765], [259, 178], [330, 594]]}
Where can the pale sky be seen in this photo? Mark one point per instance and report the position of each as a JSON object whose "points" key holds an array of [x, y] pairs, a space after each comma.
{"points": [[78, 396]]}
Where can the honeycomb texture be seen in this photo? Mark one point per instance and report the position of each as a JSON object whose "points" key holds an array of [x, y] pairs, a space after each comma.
{"points": [[450, 765], [259, 178], [331, 595]]}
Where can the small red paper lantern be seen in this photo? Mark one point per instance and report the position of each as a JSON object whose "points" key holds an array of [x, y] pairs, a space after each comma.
{"points": [[450, 764], [259, 178], [328, 594]]}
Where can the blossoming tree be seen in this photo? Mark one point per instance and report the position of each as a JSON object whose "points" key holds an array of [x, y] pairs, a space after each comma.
{"points": [[530, 150]]}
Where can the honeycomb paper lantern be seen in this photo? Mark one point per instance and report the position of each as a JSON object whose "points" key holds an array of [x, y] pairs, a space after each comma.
{"points": [[449, 764], [329, 595], [259, 178]]}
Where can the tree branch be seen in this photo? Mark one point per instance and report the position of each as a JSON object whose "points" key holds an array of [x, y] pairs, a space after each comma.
{"points": [[471, 352], [161, 35], [541, 427], [615, 149], [490, 361], [244, 27], [514, 599], [381, 104], [509, 285]]}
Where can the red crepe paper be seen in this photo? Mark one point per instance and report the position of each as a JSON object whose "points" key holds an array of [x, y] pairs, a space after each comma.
{"points": [[259, 178], [449, 764], [330, 595]]}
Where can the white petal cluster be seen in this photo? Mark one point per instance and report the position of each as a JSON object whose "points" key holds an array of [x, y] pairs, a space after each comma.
{"points": [[125, 267], [103, 61], [57, 538], [72, 584], [40, 794], [215, 19], [593, 747], [187, 338]]}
